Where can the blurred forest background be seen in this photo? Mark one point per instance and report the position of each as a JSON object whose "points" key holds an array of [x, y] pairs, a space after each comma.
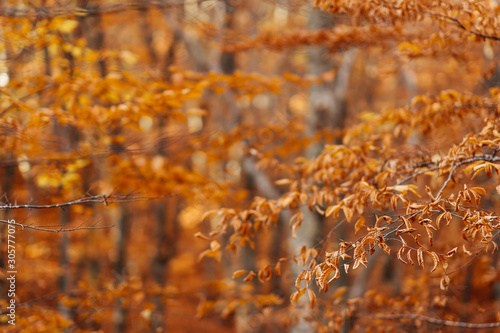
{"points": [[175, 108]]}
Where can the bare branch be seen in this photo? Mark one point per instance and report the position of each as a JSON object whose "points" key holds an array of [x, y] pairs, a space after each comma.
{"points": [[103, 198]]}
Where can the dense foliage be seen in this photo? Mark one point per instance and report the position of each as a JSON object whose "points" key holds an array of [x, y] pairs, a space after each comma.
{"points": [[336, 162]]}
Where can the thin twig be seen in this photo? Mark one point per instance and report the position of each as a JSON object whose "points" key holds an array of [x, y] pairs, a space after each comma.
{"points": [[445, 184], [103, 198]]}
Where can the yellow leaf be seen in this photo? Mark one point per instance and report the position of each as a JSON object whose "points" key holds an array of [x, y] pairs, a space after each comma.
{"points": [[407, 46], [404, 189], [214, 245], [208, 214], [449, 94], [128, 57], [333, 209], [67, 26], [45, 180], [445, 282]]}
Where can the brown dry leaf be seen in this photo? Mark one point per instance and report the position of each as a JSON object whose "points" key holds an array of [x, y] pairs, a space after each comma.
{"points": [[445, 282], [420, 257], [435, 259], [249, 277], [339, 292], [348, 212], [202, 236], [277, 269], [359, 224]]}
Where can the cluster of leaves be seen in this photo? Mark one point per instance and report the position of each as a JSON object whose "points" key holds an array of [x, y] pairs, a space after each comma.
{"points": [[70, 126], [369, 184]]}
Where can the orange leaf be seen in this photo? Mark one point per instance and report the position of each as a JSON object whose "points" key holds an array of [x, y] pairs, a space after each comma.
{"points": [[333, 209], [312, 297], [277, 269], [239, 273], [249, 277], [435, 259], [348, 212], [359, 224], [478, 190], [339, 292]]}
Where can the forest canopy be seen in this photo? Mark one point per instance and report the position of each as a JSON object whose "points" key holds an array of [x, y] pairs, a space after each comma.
{"points": [[245, 166]]}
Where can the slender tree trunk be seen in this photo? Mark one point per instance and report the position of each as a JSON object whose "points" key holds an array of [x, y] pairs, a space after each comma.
{"points": [[64, 278], [123, 236], [167, 234], [327, 109]]}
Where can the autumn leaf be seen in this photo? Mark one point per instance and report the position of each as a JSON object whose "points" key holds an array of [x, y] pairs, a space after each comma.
{"points": [[348, 212], [239, 273], [359, 224], [201, 236], [435, 259], [444, 283], [249, 277], [333, 210], [339, 292], [283, 182], [213, 252]]}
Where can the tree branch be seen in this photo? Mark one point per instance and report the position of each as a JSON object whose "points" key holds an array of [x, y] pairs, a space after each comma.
{"points": [[103, 198], [56, 228]]}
